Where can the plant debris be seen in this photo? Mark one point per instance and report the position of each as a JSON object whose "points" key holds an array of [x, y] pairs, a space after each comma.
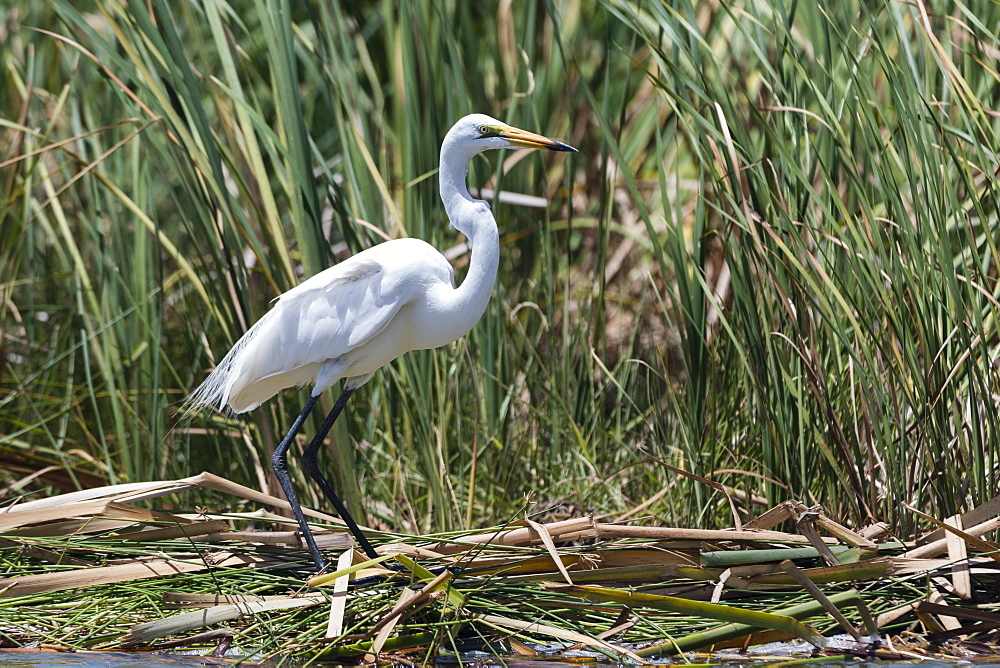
{"points": [[158, 580]]}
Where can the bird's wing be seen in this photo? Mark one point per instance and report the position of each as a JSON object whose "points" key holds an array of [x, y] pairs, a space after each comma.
{"points": [[351, 270], [342, 307], [330, 315], [322, 319]]}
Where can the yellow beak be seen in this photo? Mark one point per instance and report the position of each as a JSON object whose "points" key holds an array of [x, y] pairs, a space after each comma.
{"points": [[526, 139]]}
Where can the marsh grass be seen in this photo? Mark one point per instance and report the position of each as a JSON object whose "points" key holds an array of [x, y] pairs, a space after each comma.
{"points": [[772, 263]]}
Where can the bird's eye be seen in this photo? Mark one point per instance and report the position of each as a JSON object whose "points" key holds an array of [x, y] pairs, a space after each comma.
{"points": [[484, 130]]}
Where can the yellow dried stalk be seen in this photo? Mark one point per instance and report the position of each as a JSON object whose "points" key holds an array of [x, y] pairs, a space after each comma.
{"points": [[138, 570]]}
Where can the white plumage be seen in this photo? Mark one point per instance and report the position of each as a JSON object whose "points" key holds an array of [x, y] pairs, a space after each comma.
{"points": [[348, 321], [345, 322]]}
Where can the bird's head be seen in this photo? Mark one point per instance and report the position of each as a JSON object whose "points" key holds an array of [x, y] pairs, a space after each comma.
{"points": [[476, 133], [469, 136]]}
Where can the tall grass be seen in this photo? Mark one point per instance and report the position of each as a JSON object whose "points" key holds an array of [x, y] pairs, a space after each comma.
{"points": [[772, 263]]}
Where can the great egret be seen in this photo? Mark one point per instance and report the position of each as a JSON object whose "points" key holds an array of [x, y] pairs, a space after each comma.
{"points": [[350, 320]]}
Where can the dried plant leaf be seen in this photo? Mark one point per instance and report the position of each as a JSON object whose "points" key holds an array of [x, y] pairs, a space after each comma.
{"points": [[137, 570], [609, 531], [961, 580], [143, 634], [406, 598], [28, 585], [984, 512], [991, 550], [192, 530], [177, 600], [577, 526], [338, 597], [563, 634], [20, 517], [773, 517], [550, 546]]}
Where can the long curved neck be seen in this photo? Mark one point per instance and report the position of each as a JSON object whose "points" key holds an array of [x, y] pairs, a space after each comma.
{"points": [[472, 296], [452, 172], [474, 219]]}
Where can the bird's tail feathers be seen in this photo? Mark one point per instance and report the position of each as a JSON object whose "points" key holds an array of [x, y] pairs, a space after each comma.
{"points": [[215, 390]]}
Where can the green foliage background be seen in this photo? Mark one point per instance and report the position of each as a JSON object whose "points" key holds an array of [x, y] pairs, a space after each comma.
{"points": [[772, 263]]}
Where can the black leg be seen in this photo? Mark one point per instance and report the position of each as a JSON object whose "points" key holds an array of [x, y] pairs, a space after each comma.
{"points": [[279, 462], [310, 460]]}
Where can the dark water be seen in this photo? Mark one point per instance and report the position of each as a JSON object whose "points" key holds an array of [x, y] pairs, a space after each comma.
{"points": [[96, 659]]}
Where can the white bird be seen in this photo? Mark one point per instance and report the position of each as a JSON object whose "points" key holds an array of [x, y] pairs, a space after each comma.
{"points": [[350, 320]]}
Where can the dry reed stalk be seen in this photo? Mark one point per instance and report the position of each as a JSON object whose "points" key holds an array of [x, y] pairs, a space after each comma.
{"points": [[519, 536], [612, 531], [137, 570]]}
